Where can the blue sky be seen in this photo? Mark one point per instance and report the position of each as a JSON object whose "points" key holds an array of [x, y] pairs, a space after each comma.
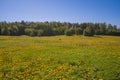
{"points": [[61, 10]]}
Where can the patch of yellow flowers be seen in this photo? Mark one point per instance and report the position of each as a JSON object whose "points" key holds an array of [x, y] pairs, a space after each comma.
{"points": [[40, 69]]}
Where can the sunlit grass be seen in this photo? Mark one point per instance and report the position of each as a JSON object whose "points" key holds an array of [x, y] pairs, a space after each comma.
{"points": [[59, 57]]}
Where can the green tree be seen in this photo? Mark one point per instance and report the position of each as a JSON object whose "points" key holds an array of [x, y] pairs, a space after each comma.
{"points": [[59, 30], [88, 31], [69, 32], [30, 32], [40, 32], [56, 28], [109, 30], [102, 28], [78, 31]]}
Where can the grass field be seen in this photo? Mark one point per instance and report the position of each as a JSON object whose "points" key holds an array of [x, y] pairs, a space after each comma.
{"points": [[59, 58]]}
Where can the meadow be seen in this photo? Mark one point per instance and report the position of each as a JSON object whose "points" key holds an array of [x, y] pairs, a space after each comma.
{"points": [[60, 58]]}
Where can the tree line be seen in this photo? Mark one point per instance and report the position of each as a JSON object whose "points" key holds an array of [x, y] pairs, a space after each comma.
{"points": [[57, 28]]}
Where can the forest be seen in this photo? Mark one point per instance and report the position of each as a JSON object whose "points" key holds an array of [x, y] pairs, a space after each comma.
{"points": [[57, 28]]}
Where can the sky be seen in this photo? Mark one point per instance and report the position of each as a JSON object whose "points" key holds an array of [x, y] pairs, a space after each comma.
{"points": [[75, 11]]}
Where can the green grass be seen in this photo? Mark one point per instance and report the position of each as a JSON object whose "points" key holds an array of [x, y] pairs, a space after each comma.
{"points": [[59, 58]]}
